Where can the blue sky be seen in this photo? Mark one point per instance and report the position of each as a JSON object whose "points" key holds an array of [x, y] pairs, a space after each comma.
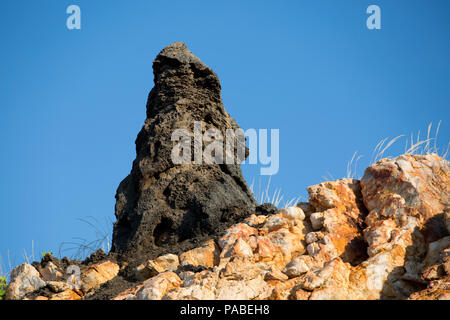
{"points": [[73, 101]]}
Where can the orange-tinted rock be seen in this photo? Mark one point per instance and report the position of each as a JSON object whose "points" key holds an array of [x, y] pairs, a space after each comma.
{"points": [[437, 290], [240, 230], [421, 180], [239, 248], [167, 262], [282, 290], [197, 286], [407, 198], [66, 295], [98, 274], [207, 255], [340, 221], [156, 287], [332, 247], [128, 294], [275, 275], [300, 294]]}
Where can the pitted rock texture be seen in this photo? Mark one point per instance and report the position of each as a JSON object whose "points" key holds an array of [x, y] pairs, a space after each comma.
{"points": [[161, 206]]}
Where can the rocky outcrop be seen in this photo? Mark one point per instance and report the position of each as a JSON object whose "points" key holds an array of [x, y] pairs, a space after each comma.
{"points": [[54, 279], [384, 237], [162, 206]]}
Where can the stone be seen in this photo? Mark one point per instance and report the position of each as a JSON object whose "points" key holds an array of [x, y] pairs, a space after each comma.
{"points": [[24, 279], [299, 266], [398, 247], [128, 294], [275, 222], [167, 262], [255, 220], [339, 223], [307, 208], [316, 219], [97, 274], [421, 180], [293, 213], [436, 290], [240, 230], [268, 252], [239, 248], [206, 255], [239, 268], [250, 289], [57, 286], [314, 237], [66, 295], [300, 294], [333, 282], [290, 242], [160, 205], [438, 252], [156, 287], [407, 198], [283, 290], [50, 272], [197, 286], [275, 275]]}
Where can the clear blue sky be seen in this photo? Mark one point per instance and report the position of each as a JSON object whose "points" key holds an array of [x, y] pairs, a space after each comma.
{"points": [[72, 102]]}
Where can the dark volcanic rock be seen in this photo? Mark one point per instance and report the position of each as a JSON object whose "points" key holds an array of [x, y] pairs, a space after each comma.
{"points": [[162, 207]]}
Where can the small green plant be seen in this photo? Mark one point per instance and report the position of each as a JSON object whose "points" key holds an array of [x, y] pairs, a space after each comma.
{"points": [[44, 254], [3, 285]]}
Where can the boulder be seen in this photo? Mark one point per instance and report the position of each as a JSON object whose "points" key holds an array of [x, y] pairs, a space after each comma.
{"points": [[97, 274], [24, 279], [206, 256], [167, 262]]}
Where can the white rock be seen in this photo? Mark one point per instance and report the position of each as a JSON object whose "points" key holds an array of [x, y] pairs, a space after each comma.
{"points": [[317, 220], [314, 237], [293, 213], [24, 279], [299, 266], [313, 249], [276, 222]]}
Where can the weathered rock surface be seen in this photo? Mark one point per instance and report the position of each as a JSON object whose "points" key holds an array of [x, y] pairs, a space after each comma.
{"points": [[164, 207], [383, 237], [24, 279], [338, 221], [98, 274], [206, 256], [167, 262]]}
